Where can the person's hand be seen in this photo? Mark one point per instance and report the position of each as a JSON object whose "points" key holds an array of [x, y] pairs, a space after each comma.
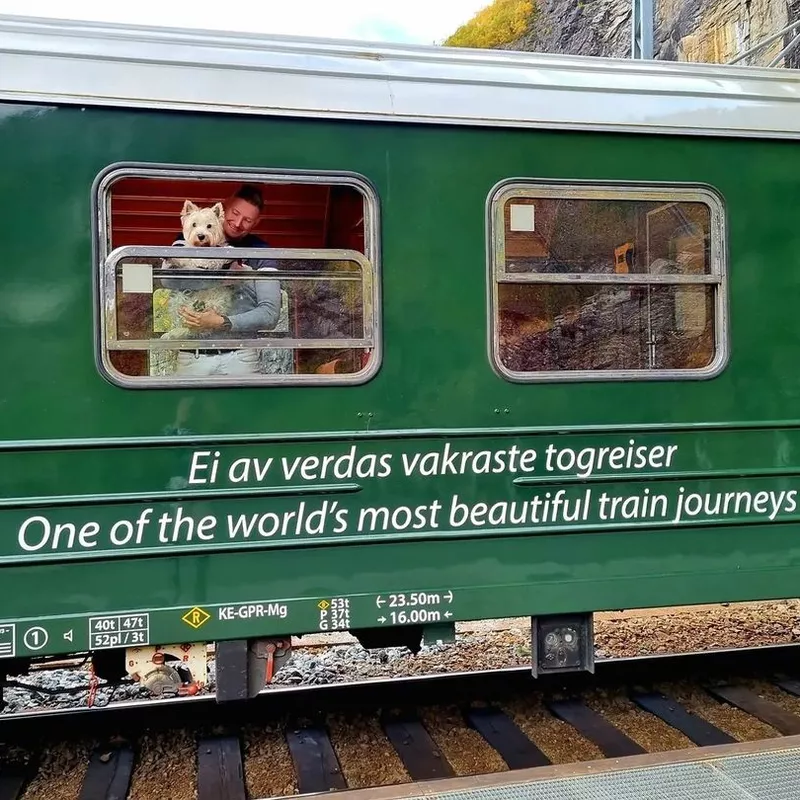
{"points": [[209, 320]]}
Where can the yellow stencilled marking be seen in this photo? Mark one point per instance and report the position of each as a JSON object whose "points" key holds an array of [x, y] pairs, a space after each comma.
{"points": [[196, 617]]}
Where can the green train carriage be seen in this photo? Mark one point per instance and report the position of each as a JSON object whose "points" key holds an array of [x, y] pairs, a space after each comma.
{"points": [[535, 355]]}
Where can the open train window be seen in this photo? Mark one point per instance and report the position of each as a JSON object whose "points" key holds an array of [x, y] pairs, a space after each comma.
{"points": [[606, 281], [211, 277]]}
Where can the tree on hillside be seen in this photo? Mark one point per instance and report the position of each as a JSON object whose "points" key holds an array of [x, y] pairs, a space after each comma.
{"points": [[499, 23]]}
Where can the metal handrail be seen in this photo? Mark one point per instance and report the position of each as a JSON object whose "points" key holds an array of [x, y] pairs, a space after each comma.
{"points": [[768, 41]]}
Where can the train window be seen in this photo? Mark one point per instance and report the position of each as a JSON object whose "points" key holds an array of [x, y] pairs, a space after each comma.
{"points": [[606, 282], [208, 277]]}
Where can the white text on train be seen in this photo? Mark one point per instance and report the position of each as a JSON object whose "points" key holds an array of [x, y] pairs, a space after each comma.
{"points": [[250, 610]]}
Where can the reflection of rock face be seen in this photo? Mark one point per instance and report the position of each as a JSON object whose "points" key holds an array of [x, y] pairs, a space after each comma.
{"points": [[325, 309], [685, 30], [600, 28], [716, 31], [607, 329]]}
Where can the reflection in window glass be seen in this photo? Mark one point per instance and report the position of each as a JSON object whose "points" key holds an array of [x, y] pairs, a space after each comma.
{"points": [[316, 317], [607, 237], [546, 327], [614, 283]]}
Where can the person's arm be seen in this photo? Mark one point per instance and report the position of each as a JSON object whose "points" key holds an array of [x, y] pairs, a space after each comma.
{"points": [[261, 264], [266, 298]]}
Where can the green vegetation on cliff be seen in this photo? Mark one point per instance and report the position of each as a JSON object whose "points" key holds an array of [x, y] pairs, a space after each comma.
{"points": [[501, 22]]}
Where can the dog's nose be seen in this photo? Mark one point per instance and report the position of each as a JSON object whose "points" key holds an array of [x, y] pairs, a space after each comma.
{"points": [[201, 237]]}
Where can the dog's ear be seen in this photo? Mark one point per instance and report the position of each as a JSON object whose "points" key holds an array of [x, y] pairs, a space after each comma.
{"points": [[188, 208], [218, 209]]}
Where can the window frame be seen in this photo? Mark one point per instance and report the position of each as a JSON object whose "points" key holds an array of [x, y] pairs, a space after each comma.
{"points": [[104, 257], [544, 188]]}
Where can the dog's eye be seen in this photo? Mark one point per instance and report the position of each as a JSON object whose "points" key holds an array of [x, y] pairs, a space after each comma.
{"points": [[208, 227], [194, 224]]}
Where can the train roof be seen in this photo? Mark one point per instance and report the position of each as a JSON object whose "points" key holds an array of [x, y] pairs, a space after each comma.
{"points": [[48, 61]]}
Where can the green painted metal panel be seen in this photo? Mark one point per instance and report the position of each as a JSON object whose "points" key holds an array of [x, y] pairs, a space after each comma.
{"points": [[433, 183], [285, 494], [118, 452], [469, 579]]}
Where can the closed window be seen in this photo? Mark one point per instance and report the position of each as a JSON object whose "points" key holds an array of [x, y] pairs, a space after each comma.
{"points": [[606, 282], [208, 277]]}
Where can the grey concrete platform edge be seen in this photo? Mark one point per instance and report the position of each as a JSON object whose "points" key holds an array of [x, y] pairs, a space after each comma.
{"points": [[764, 770]]}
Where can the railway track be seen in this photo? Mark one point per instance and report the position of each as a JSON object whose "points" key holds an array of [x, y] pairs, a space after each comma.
{"points": [[304, 740]]}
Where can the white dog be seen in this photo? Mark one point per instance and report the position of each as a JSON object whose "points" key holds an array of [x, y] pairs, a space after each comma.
{"points": [[202, 227]]}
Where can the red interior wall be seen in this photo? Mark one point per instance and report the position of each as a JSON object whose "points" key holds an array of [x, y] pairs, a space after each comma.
{"points": [[146, 211]]}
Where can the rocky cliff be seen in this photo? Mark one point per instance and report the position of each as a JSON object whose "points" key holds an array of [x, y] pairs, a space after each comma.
{"points": [[685, 30]]}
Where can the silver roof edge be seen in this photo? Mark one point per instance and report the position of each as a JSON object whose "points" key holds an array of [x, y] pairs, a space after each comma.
{"points": [[49, 61]]}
